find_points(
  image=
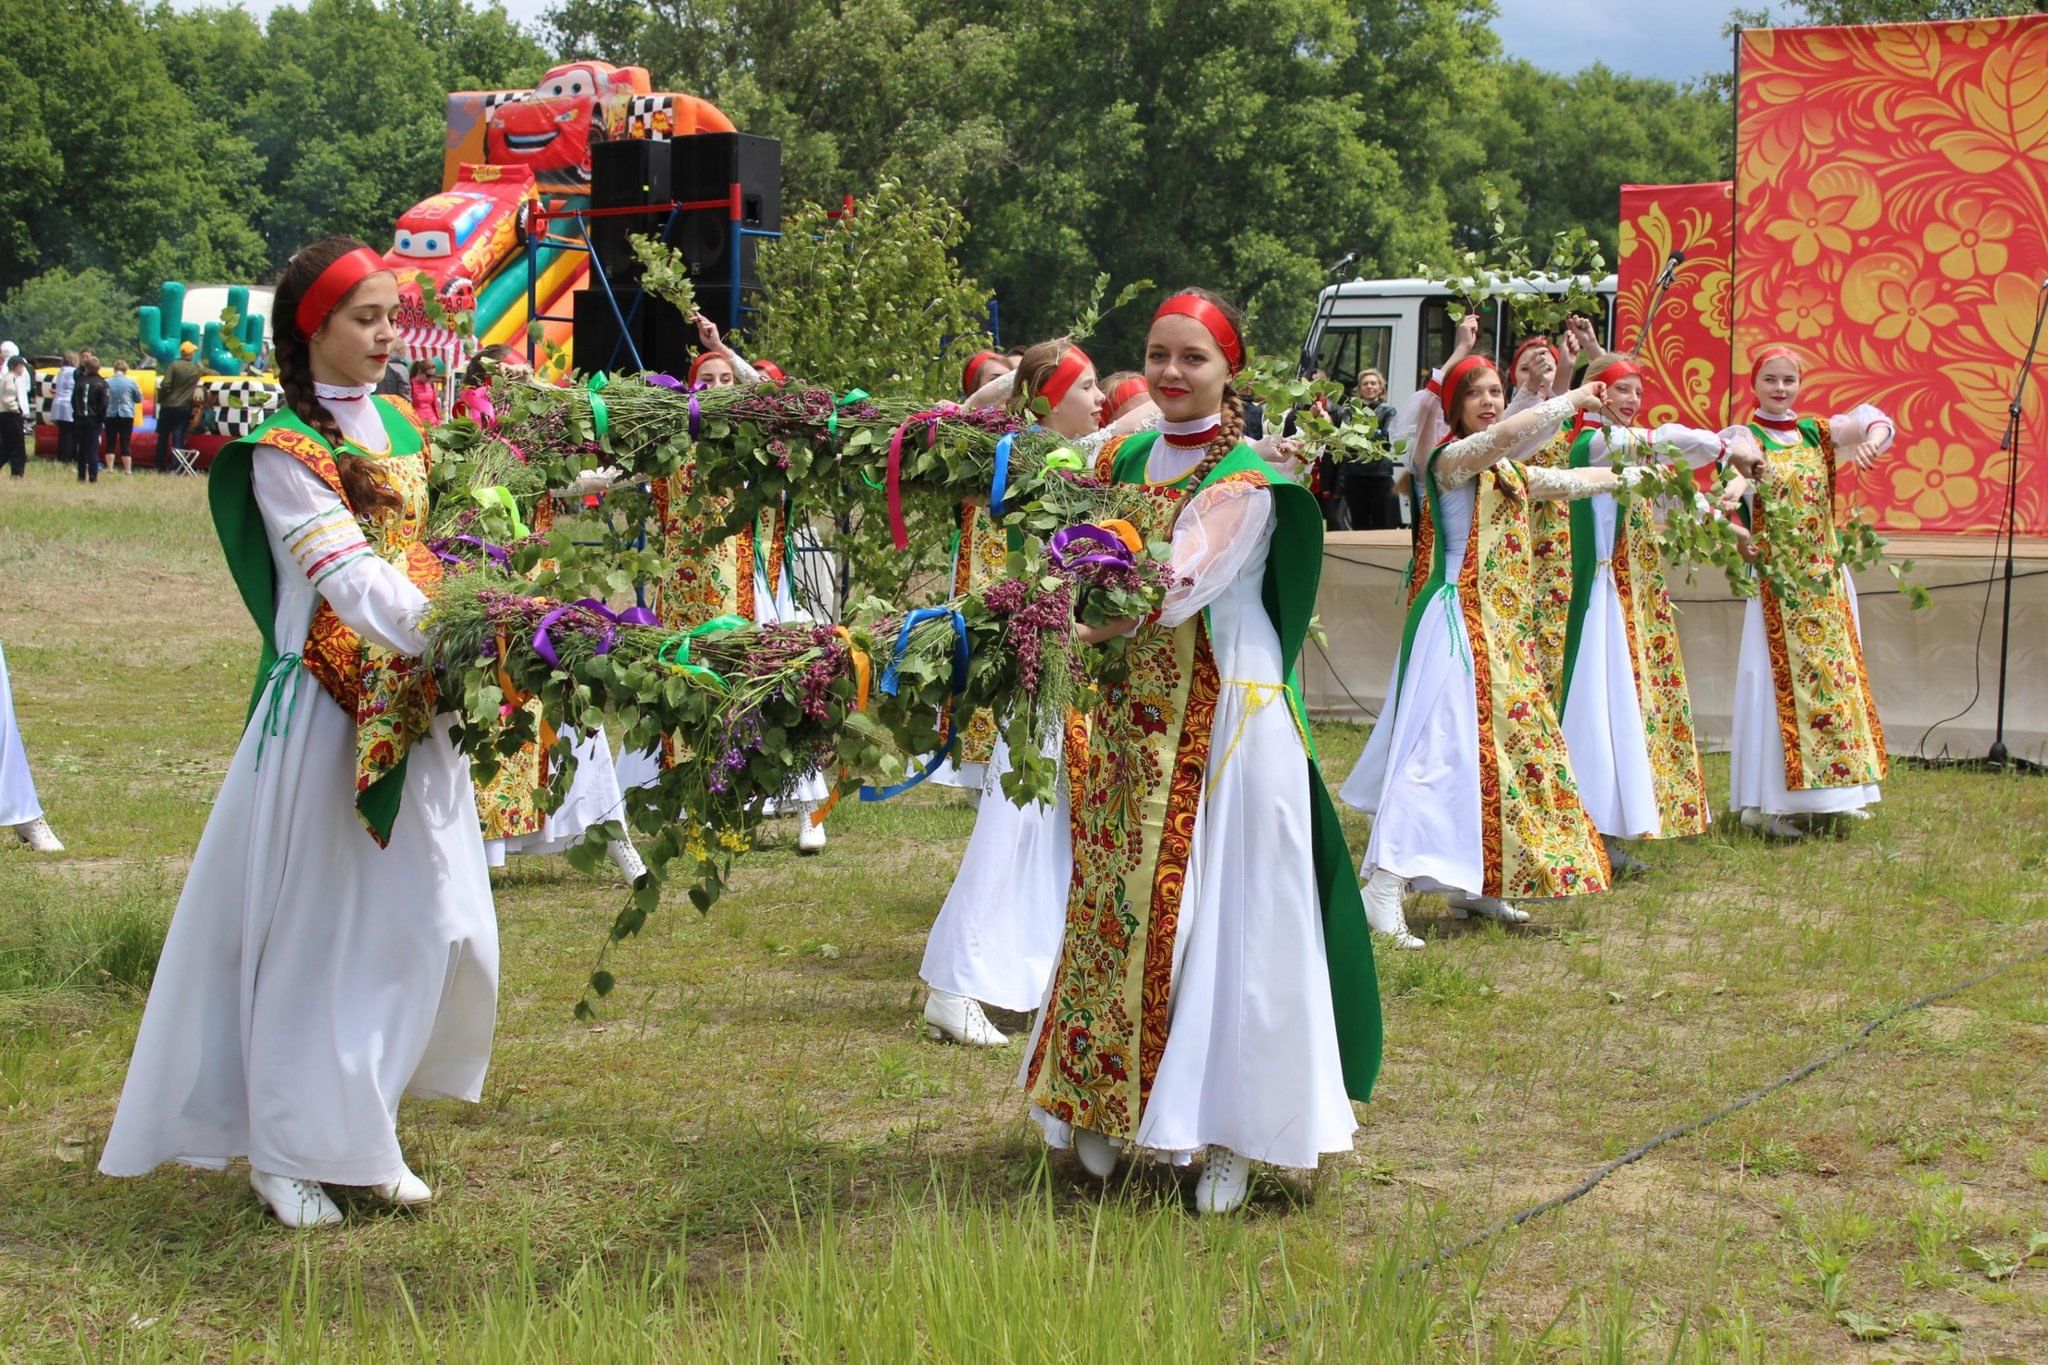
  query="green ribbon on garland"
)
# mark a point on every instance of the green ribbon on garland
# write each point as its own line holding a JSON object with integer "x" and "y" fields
{"x": 501, "y": 497}
{"x": 852, "y": 396}
{"x": 600, "y": 415}
{"x": 1067, "y": 459}
{"x": 675, "y": 651}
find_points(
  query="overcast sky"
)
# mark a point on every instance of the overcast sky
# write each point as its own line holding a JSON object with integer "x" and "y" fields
{"x": 1671, "y": 38}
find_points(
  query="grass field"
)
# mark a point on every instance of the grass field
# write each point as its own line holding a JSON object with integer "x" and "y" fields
{"x": 756, "y": 1155}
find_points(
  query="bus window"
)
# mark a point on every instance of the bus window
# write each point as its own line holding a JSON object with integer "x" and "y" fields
{"x": 1440, "y": 334}
{"x": 1341, "y": 352}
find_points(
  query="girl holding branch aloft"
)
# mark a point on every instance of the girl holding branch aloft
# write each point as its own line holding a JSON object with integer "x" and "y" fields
{"x": 335, "y": 947}
{"x": 998, "y": 934}
{"x": 1623, "y": 700}
{"x": 1215, "y": 992}
{"x": 1807, "y": 740}
{"x": 1466, "y": 773}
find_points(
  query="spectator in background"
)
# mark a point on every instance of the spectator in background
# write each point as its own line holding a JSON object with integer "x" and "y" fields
{"x": 397, "y": 380}
{"x": 124, "y": 397}
{"x": 177, "y": 388}
{"x": 15, "y": 415}
{"x": 88, "y": 416}
{"x": 60, "y": 405}
{"x": 1369, "y": 489}
{"x": 425, "y": 392}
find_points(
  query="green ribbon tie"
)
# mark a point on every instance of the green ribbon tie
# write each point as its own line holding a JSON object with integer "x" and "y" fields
{"x": 277, "y": 716}
{"x": 501, "y": 497}
{"x": 600, "y": 415}
{"x": 1071, "y": 461}
{"x": 675, "y": 651}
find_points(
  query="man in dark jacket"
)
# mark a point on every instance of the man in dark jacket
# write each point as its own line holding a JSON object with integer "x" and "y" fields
{"x": 177, "y": 389}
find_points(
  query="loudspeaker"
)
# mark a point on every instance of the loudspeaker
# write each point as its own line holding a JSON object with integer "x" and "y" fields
{"x": 623, "y": 173}
{"x": 707, "y": 166}
{"x": 664, "y": 338}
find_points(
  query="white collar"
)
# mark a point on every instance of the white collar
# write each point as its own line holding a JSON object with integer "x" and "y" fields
{"x": 1199, "y": 425}
{"x": 342, "y": 393}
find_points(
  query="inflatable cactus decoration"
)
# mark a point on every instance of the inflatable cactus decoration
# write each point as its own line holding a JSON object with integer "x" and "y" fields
{"x": 233, "y": 343}
{"x": 164, "y": 327}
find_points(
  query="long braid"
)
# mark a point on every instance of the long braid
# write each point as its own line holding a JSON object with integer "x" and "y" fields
{"x": 1229, "y": 431}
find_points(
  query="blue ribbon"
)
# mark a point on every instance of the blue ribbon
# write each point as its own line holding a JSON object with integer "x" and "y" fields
{"x": 891, "y": 678}
{"x": 995, "y": 501}
{"x": 277, "y": 719}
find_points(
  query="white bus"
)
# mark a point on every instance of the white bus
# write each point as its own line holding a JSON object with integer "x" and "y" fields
{"x": 1403, "y": 329}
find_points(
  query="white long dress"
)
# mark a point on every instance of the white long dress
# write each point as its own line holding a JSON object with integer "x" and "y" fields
{"x": 1603, "y": 715}
{"x": 997, "y": 937}
{"x": 1251, "y": 1061}
{"x": 1756, "y": 746}
{"x": 18, "y": 803}
{"x": 1419, "y": 775}
{"x": 594, "y": 796}
{"x": 311, "y": 979}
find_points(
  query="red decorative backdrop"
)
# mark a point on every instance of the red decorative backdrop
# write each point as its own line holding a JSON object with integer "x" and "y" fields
{"x": 1685, "y": 357}
{"x": 1892, "y": 225}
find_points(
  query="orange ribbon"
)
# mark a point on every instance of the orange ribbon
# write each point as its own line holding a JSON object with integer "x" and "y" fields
{"x": 863, "y": 677}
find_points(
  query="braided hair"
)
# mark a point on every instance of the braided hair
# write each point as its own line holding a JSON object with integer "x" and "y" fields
{"x": 1231, "y": 430}
{"x": 295, "y": 372}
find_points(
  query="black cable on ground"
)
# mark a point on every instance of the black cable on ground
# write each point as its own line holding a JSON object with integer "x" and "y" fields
{"x": 1637, "y": 1153}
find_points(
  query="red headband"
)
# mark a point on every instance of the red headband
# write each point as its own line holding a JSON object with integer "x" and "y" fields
{"x": 772, "y": 370}
{"x": 1455, "y": 375}
{"x": 697, "y": 365}
{"x": 1768, "y": 354}
{"x": 1064, "y": 375}
{"x": 1212, "y": 319}
{"x": 1622, "y": 368}
{"x": 1124, "y": 393}
{"x": 972, "y": 369}
{"x": 333, "y": 285}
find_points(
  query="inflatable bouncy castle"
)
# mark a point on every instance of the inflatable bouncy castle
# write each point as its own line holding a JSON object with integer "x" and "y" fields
{"x": 507, "y": 153}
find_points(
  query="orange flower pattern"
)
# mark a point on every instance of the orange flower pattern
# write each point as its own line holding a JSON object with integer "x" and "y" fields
{"x": 1891, "y": 220}
{"x": 1685, "y": 358}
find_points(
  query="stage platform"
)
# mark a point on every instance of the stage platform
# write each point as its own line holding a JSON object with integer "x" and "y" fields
{"x": 1925, "y": 665}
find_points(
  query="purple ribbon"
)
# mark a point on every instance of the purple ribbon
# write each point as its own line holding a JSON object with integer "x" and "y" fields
{"x": 498, "y": 554}
{"x": 694, "y": 415}
{"x": 631, "y": 616}
{"x": 666, "y": 381}
{"x": 1080, "y": 547}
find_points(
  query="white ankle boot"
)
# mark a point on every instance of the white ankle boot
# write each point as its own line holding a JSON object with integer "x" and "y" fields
{"x": 1465, "y": 906}
{"x": 1226, "y": 1180}
{"x": 38, "y": 835}
{"x": 296, "y": 1203}
{"x": 810, "y": 837}
{"x": 1771, "y": 826}
{"x": 961, "y": 1019}
{"x": 1097, "y": 1153}
{"x": 405, "y": 1189}
{"x": 626, "y": 858}
{"x": 1383, "y": 909}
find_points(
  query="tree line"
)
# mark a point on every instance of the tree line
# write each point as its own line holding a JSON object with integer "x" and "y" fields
{"x": 1246, "y": 144}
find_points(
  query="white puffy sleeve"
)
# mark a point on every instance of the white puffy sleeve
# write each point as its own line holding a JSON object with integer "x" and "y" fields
{"x": 1548, "y": 484}
{"x": 320, "y": 535}
{"x": 1508, "y": 439}
{"x": 1696, "y": 446}
{"x": 993, "y": 394}
{"x": 1862, "y": 423}
{"x": 1218, "y": 536}
{"x": 1418, "y": 422}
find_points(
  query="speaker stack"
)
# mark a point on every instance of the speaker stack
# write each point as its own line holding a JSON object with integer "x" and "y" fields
{"x": 693, "y": 169}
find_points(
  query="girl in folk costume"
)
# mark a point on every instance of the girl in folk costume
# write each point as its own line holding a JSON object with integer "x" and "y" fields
{"x": 1215, "y": 991}
{"x": 1807, "y": 740}
{"x": 1466, "y": 773}
{"x": 1623, "y": 702}
{"x": 509, "y": 805}
{"x": 335, "y": 947}
{"x": 998, "y": 934}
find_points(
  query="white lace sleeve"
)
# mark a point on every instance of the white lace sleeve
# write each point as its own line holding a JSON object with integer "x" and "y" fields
{"x": 1859, "y": 424}
{"x": 1506, "y": 439}
{"x": 741, "y": 370}
{"x": 993, "y": 394}
{"x": 1547, "y": 484}
{"x": 1219, "y": 535}
{"x": 321, "y": 536}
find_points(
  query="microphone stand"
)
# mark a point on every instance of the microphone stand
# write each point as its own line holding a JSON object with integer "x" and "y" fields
{"x": 1664, "y": 283}
{"x": 1999, "y": 756}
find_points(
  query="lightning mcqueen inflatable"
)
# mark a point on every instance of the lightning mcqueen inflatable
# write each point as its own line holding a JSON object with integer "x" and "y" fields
{"x": 463, "y": 234}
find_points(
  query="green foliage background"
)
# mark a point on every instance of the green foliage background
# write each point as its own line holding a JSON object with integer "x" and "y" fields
{"x": 1242, "y": 144}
